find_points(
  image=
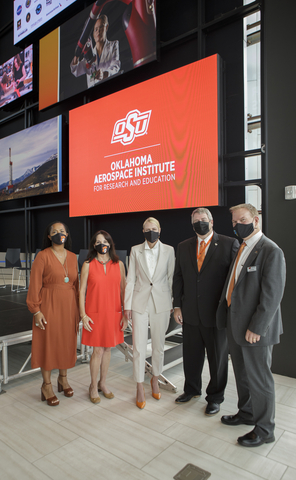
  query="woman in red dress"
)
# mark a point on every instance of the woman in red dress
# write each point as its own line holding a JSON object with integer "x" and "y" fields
{"x": 53, "y": 300}
{"x": 102, "y": 285}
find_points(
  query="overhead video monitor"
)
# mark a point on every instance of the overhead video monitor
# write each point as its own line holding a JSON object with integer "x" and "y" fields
{"x": 29, "y": 15}
{"x": 105, "y": 40}
{"x": 16, "y": 76}
{"x": 152, "y": 146}
{"x": 31, "y": 161}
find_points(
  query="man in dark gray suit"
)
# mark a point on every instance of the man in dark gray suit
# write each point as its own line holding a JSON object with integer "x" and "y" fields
{"x": 250, "y": 309}
{"x": 201, "y": 269}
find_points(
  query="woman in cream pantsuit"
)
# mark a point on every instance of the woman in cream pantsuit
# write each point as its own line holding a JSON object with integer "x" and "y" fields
{"x": 148, "y": 301}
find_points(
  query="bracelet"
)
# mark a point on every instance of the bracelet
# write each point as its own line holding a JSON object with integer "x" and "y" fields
{"x": 83, "y": 317}
{"x": 36, "y": 313}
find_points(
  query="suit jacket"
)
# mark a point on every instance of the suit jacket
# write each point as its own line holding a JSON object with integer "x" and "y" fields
{"x": 140, "y": 285}
{"x": 256, "y": 297}
{"x": 198, "y": 293}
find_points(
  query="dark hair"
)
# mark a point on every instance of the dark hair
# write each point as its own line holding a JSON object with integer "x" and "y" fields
{"x": 92, "y": 253}
{"x": 18, "y": 60}
{"x": 47, "y": 242}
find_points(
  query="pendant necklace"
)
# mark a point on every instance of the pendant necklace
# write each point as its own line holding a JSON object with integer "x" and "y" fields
{"x": 104, "y": 264}
{"x": 66, "y": 279}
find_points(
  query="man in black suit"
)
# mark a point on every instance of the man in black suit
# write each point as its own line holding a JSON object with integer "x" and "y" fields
{"x": 250, "y": 309}
{"x": 202, "y": 265}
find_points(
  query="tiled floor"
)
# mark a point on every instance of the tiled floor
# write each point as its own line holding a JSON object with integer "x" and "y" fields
{"x": 115, "y": 440}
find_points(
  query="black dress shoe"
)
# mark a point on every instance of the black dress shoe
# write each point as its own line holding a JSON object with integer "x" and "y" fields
{"x": 185, "y": 398}
{"x": 212, "y": 408}
{"x": 234, "y": 420}
{"x": 252, "y": 439}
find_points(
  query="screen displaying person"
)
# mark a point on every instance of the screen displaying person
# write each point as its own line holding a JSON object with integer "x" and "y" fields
{"x": 101, "y": 56}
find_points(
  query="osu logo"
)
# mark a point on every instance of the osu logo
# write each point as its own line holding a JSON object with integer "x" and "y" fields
{"x": 135, "y": 124}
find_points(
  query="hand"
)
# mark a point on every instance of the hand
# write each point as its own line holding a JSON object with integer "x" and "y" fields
{"x": 123, "y": 323}
{"x": 86, "y": 323}
{"x": 99, "y": 75}
{"x": 178, "y": 316}
{"x": 252, "y": 337}
{"x": 75, "y": 61}
{"x": 40, "y": 321}
{"x": 128, "y": 314}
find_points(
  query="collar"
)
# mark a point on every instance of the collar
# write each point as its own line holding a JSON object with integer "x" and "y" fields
{"x": 251, "y": 242}
{"x": 154, "y": 249}
{"x": 207, "y": 239}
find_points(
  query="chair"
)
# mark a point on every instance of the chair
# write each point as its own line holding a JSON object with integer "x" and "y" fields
{"x": 13, "y": 261}
{"x": 81, "y": 258}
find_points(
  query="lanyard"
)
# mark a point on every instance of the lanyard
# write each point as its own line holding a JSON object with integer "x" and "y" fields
{"x": 204, "y": 248}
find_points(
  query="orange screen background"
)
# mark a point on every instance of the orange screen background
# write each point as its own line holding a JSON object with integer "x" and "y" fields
{"x": 181, "y": 141}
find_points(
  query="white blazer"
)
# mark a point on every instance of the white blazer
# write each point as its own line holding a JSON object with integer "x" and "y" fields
{"x": 109, "y": 62}
{"x": 140, "y": 285}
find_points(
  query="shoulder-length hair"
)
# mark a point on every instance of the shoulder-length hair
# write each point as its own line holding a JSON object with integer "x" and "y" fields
{"x": 18, "y": 61}
{"x": 47, "y": 242}
{"x": 92, "y": 253}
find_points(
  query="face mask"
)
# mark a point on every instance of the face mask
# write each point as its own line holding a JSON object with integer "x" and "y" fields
{"x": 58, "y": 238}
{"x": 201, "y": 228}
{"x": 243, "y": 230}
{"x": 102, "y": 249}
{"x": 151, "y": 236}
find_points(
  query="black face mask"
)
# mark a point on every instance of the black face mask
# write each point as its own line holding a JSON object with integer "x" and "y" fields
{"x": 151, "y": 236}
{"x": 58, "y": 238}
{"x": 243, "y": 230}
{"x": 201, "y": 228}
{"x": 102, "y": 249}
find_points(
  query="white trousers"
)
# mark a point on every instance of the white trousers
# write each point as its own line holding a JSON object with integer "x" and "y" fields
{"x": 158, "y": 326}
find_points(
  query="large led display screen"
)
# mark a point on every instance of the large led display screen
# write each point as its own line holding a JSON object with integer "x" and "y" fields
{"x": 105, "y": 40}
{"x": 152, "y": 146}
{"x": 31, "y": 161}
{"x": 28, "y": 15}
{"x": 16, "y": 76}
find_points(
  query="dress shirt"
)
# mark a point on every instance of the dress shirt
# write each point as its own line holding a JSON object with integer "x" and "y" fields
{"x": 151, "y": 255}
{"x": 250, "y": 244}
{"x": 205, "y": 240}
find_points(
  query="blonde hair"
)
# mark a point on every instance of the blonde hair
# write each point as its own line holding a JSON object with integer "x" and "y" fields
{"x": 104, "y": 19}
{"x": 248, "y": 206}
{"x": 152, "y": 220}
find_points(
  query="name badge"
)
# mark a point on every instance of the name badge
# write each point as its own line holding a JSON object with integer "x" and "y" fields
{"x": 251, "y": 269}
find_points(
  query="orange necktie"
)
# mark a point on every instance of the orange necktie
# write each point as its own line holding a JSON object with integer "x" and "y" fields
{"x": 201, "y": 256}
{"x": 232, "y": 280}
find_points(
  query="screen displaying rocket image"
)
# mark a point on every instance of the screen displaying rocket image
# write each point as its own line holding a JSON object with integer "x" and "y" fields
{"x": 31, "y": 160}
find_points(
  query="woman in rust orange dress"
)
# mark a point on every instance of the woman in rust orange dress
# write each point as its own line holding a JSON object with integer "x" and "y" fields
{"x": 53, "y": 300}
{"x": 102, "y": 282}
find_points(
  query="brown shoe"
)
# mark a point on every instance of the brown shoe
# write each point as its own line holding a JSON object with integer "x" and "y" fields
{"x": 68, "y": 392}
{"x": 94, "y": 399}
{"x": 107, "y": 395}
{"x": 51, "y": 401}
